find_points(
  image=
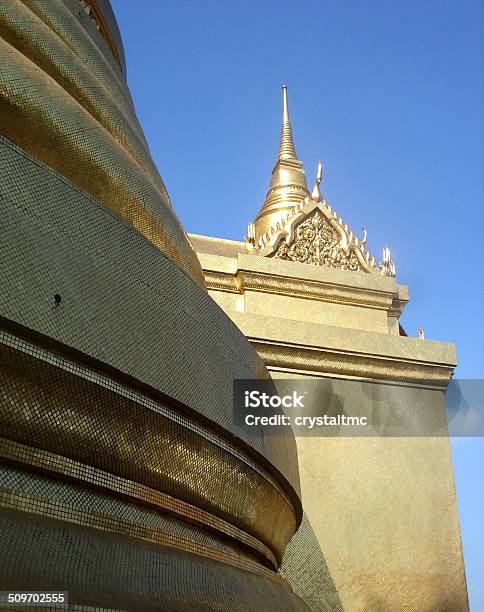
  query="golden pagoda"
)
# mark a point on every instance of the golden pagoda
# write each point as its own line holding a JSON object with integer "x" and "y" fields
{"x": 116, "y": 366}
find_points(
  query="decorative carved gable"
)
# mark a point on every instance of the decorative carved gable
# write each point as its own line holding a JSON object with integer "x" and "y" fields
{"x": 313, "y": 233}
{"x": 317, "y": 242}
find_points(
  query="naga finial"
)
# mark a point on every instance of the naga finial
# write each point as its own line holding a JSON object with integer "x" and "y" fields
{"x": 316, "y": 194}
{"x": 387, "y": 267}
{"x": 249, "y": 240}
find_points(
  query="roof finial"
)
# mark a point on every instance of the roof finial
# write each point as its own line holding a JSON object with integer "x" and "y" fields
{"x": 285, "y": 106}
{"x": 387, "y": 267}
{"x": 286, "y": 147}
{"x": 316, "y": 194}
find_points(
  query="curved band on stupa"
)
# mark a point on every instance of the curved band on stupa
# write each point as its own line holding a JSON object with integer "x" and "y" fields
{"x": 122, "y": 475}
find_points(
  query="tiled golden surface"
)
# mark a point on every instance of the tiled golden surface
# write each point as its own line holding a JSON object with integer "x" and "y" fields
{"x": 389, "y": 528}
{"x": 122, "y": 479}
{"x": 46, "y": 407}
{"x": 68, "y": 470}
{"x": 104, "y": 98}
{"x": 126, "y": 307}
{"x": 109, "y": 571}
{"x": 84, "y": 454}
{"x": 76, "y": 124}
{"x": 104, "y": 521}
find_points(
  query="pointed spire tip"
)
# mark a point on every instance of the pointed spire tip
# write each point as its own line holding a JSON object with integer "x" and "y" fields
{"x": 286, "y": 147}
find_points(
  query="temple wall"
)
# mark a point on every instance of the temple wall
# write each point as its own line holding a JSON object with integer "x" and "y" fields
{"x": 385, "y": 515}
{"x": 380, "y": 512}
{"x": 384, "y": 510}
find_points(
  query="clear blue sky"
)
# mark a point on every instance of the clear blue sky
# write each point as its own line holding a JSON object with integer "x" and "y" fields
{"x": 389, "y": 94}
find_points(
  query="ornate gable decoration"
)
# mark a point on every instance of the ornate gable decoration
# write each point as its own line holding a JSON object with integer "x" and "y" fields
{"x": 313, "y": 233}
{"x": 317, "y": 242}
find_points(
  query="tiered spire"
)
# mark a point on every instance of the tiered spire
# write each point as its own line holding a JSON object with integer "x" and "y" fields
{"x": 288, "y": 186}
{"x": 286, "y": 146}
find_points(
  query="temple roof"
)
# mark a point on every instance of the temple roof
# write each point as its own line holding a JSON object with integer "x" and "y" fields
{"x": 313, "y": 233}
{"x": 298, "y": 226}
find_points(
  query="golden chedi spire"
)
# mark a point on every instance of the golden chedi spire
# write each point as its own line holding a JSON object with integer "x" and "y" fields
{"x": 288, "y": 184}
{"x": 286, "y": 146}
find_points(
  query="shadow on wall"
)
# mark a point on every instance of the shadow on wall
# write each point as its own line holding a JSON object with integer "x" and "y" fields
{"x": 304, "y": 566}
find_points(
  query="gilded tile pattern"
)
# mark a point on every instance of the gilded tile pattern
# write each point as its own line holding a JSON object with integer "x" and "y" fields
{"x": 122, "y": 477}
{"x": 83, "y": 421}
{"x": 67, "y": 105}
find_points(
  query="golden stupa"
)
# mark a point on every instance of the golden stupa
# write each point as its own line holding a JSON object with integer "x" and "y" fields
{"x": 122, "y": 479}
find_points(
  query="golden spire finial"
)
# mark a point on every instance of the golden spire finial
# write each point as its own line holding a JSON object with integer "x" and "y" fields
{"x": 286, "y": 146}
{"x": 285, "y": 105}
{"x": 288, "y": 186}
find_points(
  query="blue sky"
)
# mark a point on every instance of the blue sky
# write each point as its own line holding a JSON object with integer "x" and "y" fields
{"x": 389, "y": 94}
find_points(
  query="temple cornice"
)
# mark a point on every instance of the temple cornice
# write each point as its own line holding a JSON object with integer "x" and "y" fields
{"x": 319, "y": 350}
{"x": 294, "y": 279}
